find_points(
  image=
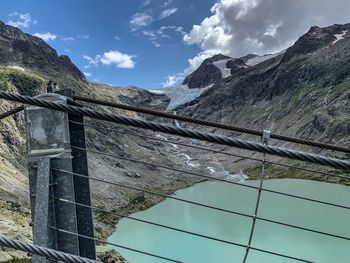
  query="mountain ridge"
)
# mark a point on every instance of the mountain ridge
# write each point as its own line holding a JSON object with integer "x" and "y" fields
{"x": 32, "y": 53}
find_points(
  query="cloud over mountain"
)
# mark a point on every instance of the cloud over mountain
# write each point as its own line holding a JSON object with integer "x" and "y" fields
{"x": 239, "y": 27}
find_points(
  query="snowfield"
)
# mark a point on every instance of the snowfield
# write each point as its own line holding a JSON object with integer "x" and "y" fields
{"x": 221, "y": 64}
{"x": 339, "y": 36}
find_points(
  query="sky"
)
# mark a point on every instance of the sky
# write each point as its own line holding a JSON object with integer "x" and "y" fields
{"x": 156, "y": 43}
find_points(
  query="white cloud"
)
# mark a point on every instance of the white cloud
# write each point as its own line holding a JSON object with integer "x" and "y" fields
{"x": 23, "y": 20}
{"x": 87, "y": 74}
{"x": 145, "y": 2}
{"x": 166, "y": 3}
{"x": 140, "y": 20}
{"x": 91, "y": 61}
{"x": 156, "y": 44}
{"x": 173, "y": 80}
{"x": 112, "y": 57}
{"x": 46, "y": 36}
{"x": 83, "y": 36}
{"x": 167, "y": 12}
{"x": 155, "y": 36}
{"x": 151, "y": 34}
{"x": 117, "y": 38}
{"x": 118, "y": 59}
{"x": 194, "y": 63}
{"x": 68, "y": 39}
{"x": 240, "y": 27}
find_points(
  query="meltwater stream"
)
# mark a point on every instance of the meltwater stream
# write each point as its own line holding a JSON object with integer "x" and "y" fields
{"x": 268, "y": 236}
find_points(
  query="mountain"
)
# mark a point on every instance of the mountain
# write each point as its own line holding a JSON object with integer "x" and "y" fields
{"x": 303, "y": 91}
{"x": 21, "y": 50}
{"x": 215, "y": 69}
{"x": 207, "y": 73}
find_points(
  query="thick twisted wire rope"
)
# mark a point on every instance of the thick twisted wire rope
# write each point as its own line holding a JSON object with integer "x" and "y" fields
{"x": 44, "y": 252}
{"x": 214, "y": 151}
{"x": 11, "y": 112}
{"x": 212, "y": 124}
{"x": 248, "y": 145}
{"x": 116, "y": 245}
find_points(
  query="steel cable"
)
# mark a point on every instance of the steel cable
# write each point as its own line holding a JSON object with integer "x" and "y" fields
{"x": 11, "y": 112}
{"x": 200, "y": 204}
{"x": 163, "y": 167}
{"x": 108, "y": 243}
{"x": 214, "y": 151}
{"x": 176, "y": 229}
{"x": 256, "y": 209}
{"x": 115, "y": 245}
{"x": 212, "y": 124}
{"x": 153, "y": 193}
{"x": 248, "y": 145}
{"x": 202, "y": 235}
{"x": 44, "y": 252}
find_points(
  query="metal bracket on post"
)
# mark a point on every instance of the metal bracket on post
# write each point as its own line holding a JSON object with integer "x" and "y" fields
{"x": 266, "y": 137}
{"x": 48, "y": 145}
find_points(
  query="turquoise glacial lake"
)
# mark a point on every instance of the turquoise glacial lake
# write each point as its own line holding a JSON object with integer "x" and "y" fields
{"x": 268, "y": 236}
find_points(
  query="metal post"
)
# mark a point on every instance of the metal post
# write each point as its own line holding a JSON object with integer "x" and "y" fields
{"x": 48, "y": 144}
{"x": 81, "y": 184}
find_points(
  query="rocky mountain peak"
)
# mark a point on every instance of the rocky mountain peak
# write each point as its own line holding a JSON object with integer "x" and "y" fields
{"x": 218, "y": 57}
{"x": 315, "y": 39}
{"x": 32, "y": 53}
{"x": 209, "y": 72}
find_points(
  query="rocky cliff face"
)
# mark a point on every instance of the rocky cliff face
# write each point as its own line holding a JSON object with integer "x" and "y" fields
{"x": 32, "y": 53}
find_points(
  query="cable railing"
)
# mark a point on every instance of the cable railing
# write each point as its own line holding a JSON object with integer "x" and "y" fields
{"x": 92, "y": 178}
{"x": 138, "y": 123}
{"x": 211, "y": 124}
{"x": 196, "y": 234}
{"x": 254, "y": 216}
{"x": 211, "y": 150}
{"x": 207, "y": 137}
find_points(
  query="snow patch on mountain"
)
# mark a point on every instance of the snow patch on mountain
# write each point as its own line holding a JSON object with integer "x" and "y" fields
{"x": 259, "y": 59}
{"x": 17, "y": 67}
{"x": 221, "y": 64}
{"x": 339, "y": 36}
{"x": 180, "y": 95}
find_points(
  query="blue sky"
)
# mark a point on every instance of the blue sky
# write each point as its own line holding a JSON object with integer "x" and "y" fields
{"x": 155, "y": 43}
{"x": 86, "y": 28}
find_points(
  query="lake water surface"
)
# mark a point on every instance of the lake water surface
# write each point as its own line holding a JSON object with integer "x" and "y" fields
{"x": 268, "y": 236}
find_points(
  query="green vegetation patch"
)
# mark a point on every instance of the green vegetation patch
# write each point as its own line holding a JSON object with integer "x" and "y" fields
{"x": 19, "y": 260}
{"x": 26, "y": 83}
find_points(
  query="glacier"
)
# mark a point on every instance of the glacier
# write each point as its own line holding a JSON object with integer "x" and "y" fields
{"x": 180, "y": 95}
